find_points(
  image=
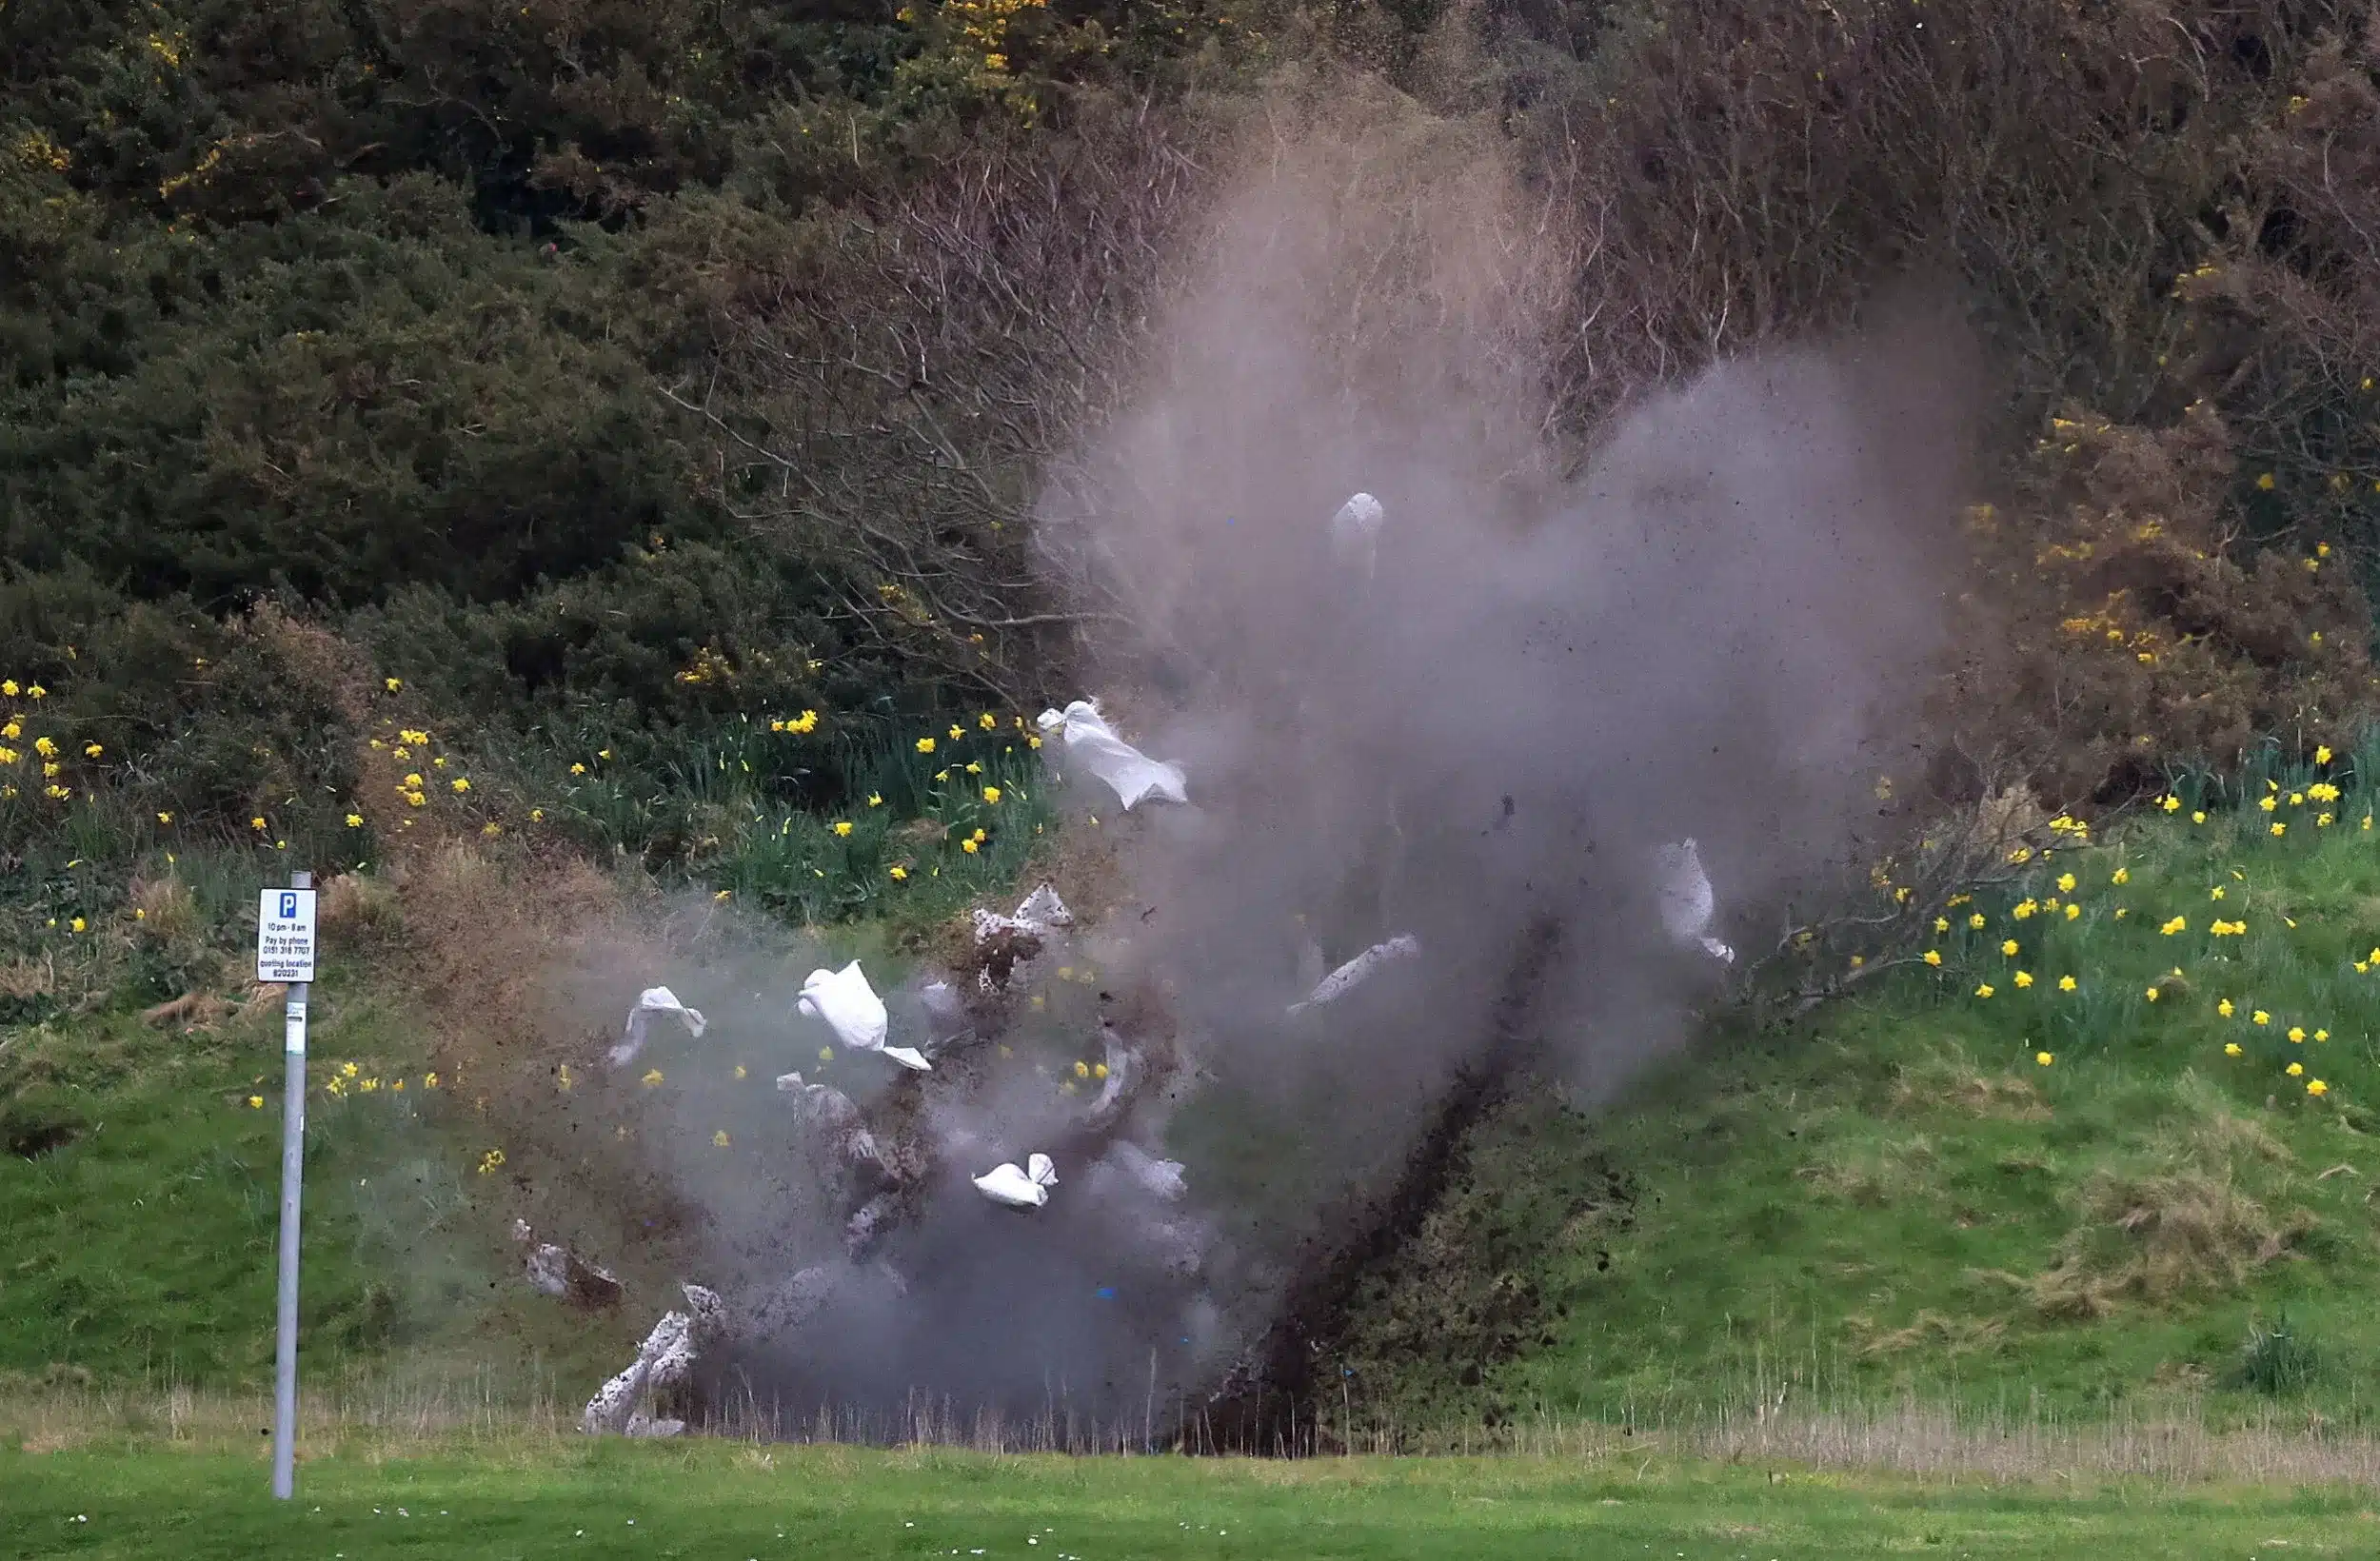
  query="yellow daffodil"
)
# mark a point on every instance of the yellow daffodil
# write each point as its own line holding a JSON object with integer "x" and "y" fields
{"x": 1941, "y": 923}
{"x": 430, "y": 1080}
{"x": 1975, "y": 920}
{"x": 578, "y": 769}
{"x": 969, "y": 847}
{"x": 842, "y": 827}
{"x": 2009, "y": 948}
{"x": 2231, "y": 1048}
{"x": 2279, "y": 829}
{"x": 875, "y": 799}
{"x": 899, "y": 872}
{"x": 957, "y": 732}
{"x": 2317, "y": 1087}
{"x": 2122, "y": 875}
{"x": 37, "y": 691}
{"x": 991, "y": 795}
{"x": 719, "y": 1139}
{"x": 2066, "y": 984}
{"x": 1082, "y": 1070}
{"x": 2024, "y": 978}
{"x": 2043, "y": 1058}
{"x": 76, "y": 925}
{"x": 1984, "y": 991}
{"x": 255, "y": 1102}
{"x": 987, "y": 720}
{"x": 459, "y": 786}
{"x": 2177, "y": 924}
{"x": 2169, "y": 802}
{"x": 2260, "y": 1017}
{"x": 2322, "y": 1035}
{"x": 2066, "y": 883}
{"x": 2295, "y": 1070}
{"x": 652, "y": 1078}
{"x": 2268, "y": 803}
{"x": 2198, "y": 817}
{"x": 2224, "y": 1008}
{"x": 1933, "y": 956}
{"x": 165, "y": 817}
{"x": 2072, "y": 910}
{"x": 723, "y": 894}
{"x": 2298, "y": 1034}
{"x": 925, "y": 744}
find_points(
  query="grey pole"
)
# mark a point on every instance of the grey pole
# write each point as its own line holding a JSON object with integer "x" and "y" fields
{"x": 292, "y": 1174}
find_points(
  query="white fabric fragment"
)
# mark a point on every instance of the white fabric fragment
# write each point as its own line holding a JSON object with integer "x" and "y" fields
{"x": 1687, "y": 901}
{"x": 1026, "y": 1189}
{"x": 664, "y": 1359}
{"x": 1131, "y": 774}
{"x": 1162, "y": 1179}
{"x": 1355, "y": 534}
{"x": 1358, "y": 970}
{"x": 855, "y": 1013}
{"x": 656, "y": 1000}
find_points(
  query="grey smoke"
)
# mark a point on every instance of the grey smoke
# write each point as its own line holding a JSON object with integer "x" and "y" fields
{"x": 1717, "y": 629}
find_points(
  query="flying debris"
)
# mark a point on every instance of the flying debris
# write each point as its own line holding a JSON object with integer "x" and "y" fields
{"x": 1017, "y": 1189}
{"x": 560, "y": 1273}
{"x": 666, "y": 1360}
{"x": 656, "y": 1000}
{"x": 1358, "y": 970}
{"x": 1356, "y": 533}
{"x": 1687, "y": 904}
{"x": 1131, "y": 774}
{"x": 1161, "y": 1178}
{"x": 855, "y": 1013}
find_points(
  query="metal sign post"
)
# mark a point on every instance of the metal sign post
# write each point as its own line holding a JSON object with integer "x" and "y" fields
{"x": 285, "y": 953}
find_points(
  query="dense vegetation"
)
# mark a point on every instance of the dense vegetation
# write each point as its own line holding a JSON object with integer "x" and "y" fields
{"x": 610, "y": 375}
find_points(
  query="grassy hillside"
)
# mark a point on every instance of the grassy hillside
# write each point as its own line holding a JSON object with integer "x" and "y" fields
{"x": 2118, "y": 1142}
{"x": 2072, "y": 1177}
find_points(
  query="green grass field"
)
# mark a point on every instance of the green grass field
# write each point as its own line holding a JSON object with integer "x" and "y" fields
{"x": 726, "y": 1500}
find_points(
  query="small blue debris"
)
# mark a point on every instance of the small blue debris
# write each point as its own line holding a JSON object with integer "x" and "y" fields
{"x": 1106, "y": 1293}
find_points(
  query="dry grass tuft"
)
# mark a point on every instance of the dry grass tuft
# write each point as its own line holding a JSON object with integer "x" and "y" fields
{"x": 1952, "y": 1080}
{"x": 357, "y": 907}
{"x": 167, "y": 909}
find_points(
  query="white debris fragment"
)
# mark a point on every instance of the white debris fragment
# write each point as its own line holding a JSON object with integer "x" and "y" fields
{"x": 559, "y": 1272}
{"x": 939, "y": 998}
{"x": 1131, "y": 774}
{"x": 664, "y": 1359}
{"x": 1042, "y": 908}
{"x": 1356, "y": 533}
{"x": 829, "y": 1109}
{"x": 657, "y": 999}
{"x": 1358, "y": 970}
{"x": 855, "y": 1013}
{"x": 1687, "y": 901}
{"x": 1161, "y": 1178}
{"x": 1028, "y": 1189}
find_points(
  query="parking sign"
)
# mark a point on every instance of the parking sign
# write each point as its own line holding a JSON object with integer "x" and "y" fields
{"x": 285, "y": 936}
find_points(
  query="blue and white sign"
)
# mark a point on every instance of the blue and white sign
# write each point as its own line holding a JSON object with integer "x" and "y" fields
{"x": 285, "y": 936}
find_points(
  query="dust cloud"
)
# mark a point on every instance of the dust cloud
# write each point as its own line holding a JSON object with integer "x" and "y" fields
{"x": 1717, "y": 627}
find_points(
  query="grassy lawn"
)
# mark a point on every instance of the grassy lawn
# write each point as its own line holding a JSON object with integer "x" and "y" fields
{"x": 727, "y": 1500}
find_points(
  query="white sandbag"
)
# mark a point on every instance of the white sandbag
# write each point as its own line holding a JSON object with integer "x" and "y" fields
{"x": 1358, "y": 970}
{"x": 1161, "y": 1178}
{"x": 664, "y": 1359}
{"x": 558, "y": 1272}
{"x": 1355, "y": 534}
{"x": 1028, "y": 1189}
{"x": 855, "y": 1013}
{"x": 657, "y": 999}
{"x": 1042, "y": 908}
{"x": 1687, "y": 901}
{"x": 1131, "y": 774}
